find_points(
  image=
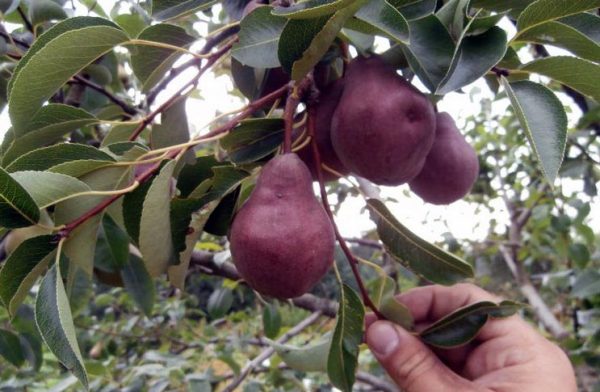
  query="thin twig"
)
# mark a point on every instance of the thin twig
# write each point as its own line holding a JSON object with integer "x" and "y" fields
{"x": 351, "y": 260}
{"x": 25, "y": 20}
{"x": 112, "y": 97}
{"x": 250, "y": 366}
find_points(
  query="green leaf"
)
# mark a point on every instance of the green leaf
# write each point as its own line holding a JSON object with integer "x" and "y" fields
{"x": 55, "y": 323}
{"x": 41, "y": 11}
{"x": 47, "y": 157}
{"x": 133, "y": 24}
{"x": 421, "y": 257}
{"x": 253, "y": 139}
{"x": 48, "y": 188}
{"x": 171, "y": 9}
{"x": 475, "y": 56}
{"x": 453, "y": 15}
{"x": 79, "y": 168}
{"x": 303, "y": 42}
{"x": 430, "y": 51}
{"x": 196, "y": 222}
{"x": 463, "y": 325}
{"x": 482, "y": 24}
{"x": 586, "y": 23}
{"x": 139, "y": 284}
{"x": 259, "y": 38}
{"x": 382, "y": 15}
{"x": 81, "y": 244}
{"x": 542, "y": 11}
{"x": 515, "y": 6}
{"x": 579, "y": 74}
{"x": 579, "y": 254}
{"x": 133, "y": 203}
{"x": 173, "y": 129}
{"x": 10, "y": 347}
{"x": 151, "y": 63}
{"x": 117, "y": 242}
{"x": 383, "y": 290}
{"x": 342, "y": 360}
{"x": 543, "y": 118}
{"x": 54, "y": 58}
{"x": 23, "y": 267}
{"x": 415, "y": 9}
{"x": 220, "y": 302}
{"x": 193, "y": 175}
{"x": 563, "y": 36}
{"x": 271, "y": 319}
{"x": 587, "y": 284}
{"x": 17, "y": 207}
{"x": 48, "y": 125}
{"x": 311, "y": 358}
{"x": 155, "y": 243}
{"x": 9, "y": 6}
{"x": 311, "y": 8}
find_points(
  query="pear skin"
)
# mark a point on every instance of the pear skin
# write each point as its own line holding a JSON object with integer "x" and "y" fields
{"x": 451, "y": 168}
{"x": 282, "y": 240}
{"x": 325, "y": 107}
{"x": 383, "y": 127}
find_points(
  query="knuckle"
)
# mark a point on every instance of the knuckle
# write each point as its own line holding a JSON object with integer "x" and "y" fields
{"x": 415, "y": 366}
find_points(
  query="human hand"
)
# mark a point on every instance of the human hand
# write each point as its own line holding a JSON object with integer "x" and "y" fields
{"x": 507, "y": 356}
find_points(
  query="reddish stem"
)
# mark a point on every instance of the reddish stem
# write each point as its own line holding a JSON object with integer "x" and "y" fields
{"x": 251, "y": 108}
{"x": 288, "y": 118}
{"x": 349, "y": 256}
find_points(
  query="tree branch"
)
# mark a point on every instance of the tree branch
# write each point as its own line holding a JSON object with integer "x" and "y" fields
{"x": 267, "y": 353}
{"x": 112, "y": 97}
{"x": 205, "y": 260}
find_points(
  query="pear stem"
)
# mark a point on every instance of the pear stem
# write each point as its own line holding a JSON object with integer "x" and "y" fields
{"x": 347, "y": 252}
{"x": 288, "y": 117}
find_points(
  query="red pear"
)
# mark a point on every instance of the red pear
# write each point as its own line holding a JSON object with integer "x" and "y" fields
{"x": 282, "y": 240}
{"x": 451, "y": 168}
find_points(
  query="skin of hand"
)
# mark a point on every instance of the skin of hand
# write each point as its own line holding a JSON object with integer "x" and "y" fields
{"x": 508, "y": 355}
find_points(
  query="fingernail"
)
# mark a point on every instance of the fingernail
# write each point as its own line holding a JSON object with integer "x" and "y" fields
{"x": 382, "y": 338}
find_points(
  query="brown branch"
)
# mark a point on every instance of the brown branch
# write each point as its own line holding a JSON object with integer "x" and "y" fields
{"x": 112, "y": 97}
{"x": 267, "y": 353}
{"x": 169, "y": 102}
{"x": 208, "y": 46}
{"x": 205, "y": 260}
{"x": 25, "y": 20}
{"x": 511, "y": 258}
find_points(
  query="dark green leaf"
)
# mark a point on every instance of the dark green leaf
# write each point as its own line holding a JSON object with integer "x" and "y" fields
{"x": 47, "y": 188}
{"x": 542, "y": 11}
{"x": 311, "y": 8}
{"x": 463, "y": 325}
{"x": 383, "y": 16}
{"x": 582, "y": 75}
{"x": 170, "y": 9}
{"x": 430, "y": 51}
{"x": 259, "y": 38}
{"x": 587, "y": 284}
{"x": 347, "y": 337}
{"x": 155, "y": 243}
{"x": 47, "y": 157}
{"x": 151, "y": 63}
{"x": 543, "y": 118}
{"x": 253, "y": 139}
{"x": 139, "y": 284}
{"x": 17, "y": 207}
{"x": 303, "y": 42}
{"x": 173, "y": 129}
{"x": 117, "y": 241}
{"x": 423, "y": 258}
{"x": 414, "y": 9}
{"x": 41, "y": 11}
{"x": 10, "y": 347}
{"x": 132, "y": 209}
{"x": 475, "y": 56}
{"x": 55, "y": 323}
{"x": 47, "y": 126}
{"x": 220, "y": 219}
{"x": 271, "y": 319}
{"x": 133, "y": 24}
{"x": 220, "y": 302}
{"x": 53, "y": 59}
{"x": 193, "y": 175}
{"x": 563, "y": 36}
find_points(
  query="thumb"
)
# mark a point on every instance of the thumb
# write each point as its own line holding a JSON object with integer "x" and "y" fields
{"x": 410, "y": 363}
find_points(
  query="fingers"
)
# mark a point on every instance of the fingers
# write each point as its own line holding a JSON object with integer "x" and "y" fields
{"x": 430, "y": 303}
{"x": 410, "y": 363}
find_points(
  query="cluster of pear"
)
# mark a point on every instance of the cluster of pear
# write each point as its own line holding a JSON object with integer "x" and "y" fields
{"x": 372, "y": 123}
{"x": 375, "y": 124}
